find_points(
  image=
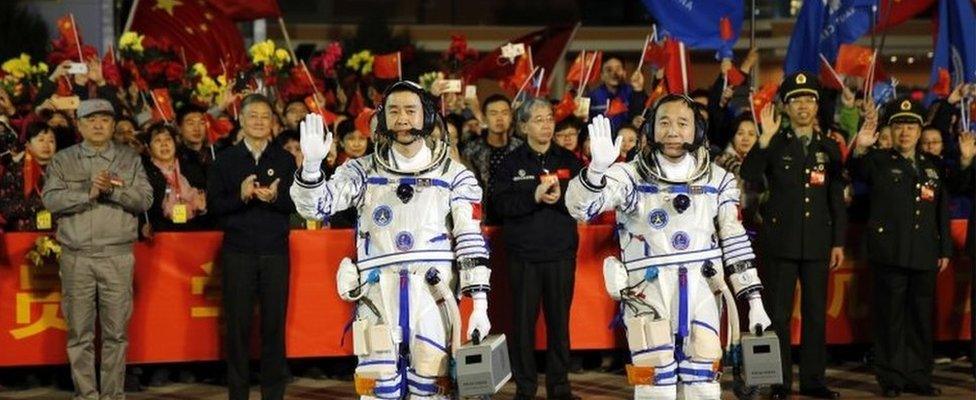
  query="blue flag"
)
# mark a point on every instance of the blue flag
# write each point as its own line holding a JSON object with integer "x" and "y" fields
{"x": 955, "y": 44}
{"x": 821, "y": 27}
{"x": 699, "y": 24}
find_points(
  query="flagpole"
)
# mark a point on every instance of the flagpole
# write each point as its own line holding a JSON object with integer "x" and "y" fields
{"x": 74, "y": 27}
{"x": 752, "y": 24}
{"x": 586, "y": 76}
{"x": 522, "y": 87}
{"x": 640, "y": 63}
{"x": 542, "y": 74}
{"x": 399, "y": 68}
{"x": 132, "y": 13}
{"x": 874, "y": 19}
{"x": 284, "y": 32}
{"x": 684, "y": 72}
{"x": 831, "y": 69}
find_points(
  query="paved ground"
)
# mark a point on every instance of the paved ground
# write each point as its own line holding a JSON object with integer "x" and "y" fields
{"x": 852, "y": 379}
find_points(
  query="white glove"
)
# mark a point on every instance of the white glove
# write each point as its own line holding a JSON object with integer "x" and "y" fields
{"x": 316, "y": 142}
{"x": 757, "y": 314}
{"x": 603, "y": 150}
{"x": 479, "y": 317}
{"x": 347, "y": 280}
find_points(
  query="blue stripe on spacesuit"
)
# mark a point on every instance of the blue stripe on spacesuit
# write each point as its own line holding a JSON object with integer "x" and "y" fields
{"x": 674, "y": 189}
{"x": 431, "y": 342}
{"x": 404, "y": 316}
{"x": 682, "y": 303}
{"x": 652, "y": 349}
{"x": 379, "y": 180}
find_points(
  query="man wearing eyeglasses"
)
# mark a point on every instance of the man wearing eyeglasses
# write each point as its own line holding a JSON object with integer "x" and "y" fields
{"x": 803, "y": 224}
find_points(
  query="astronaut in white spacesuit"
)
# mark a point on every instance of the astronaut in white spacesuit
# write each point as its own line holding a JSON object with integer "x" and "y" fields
{"x": 679, "y": 230}
{"x": 418, "y": 216}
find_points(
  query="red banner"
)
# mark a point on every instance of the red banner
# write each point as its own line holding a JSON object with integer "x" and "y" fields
{"x": 177, "y": 298}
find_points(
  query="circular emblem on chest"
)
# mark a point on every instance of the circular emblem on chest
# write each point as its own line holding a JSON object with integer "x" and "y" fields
{"x": 270, "y": 172}
{"x": 382, "y": 215}
{"x": 658, "y": 218}
{"x": 404, "y": 241}
{"x": 680, "y": 240}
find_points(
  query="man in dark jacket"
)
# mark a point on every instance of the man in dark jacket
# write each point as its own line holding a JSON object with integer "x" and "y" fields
{"x": 541, "y": 241}
{"x": 908, "y": 243}
{"x": 247, "y": 192}
{"x": 803, "y": 225}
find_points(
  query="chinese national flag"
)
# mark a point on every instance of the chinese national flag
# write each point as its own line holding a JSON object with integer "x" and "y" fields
{"x": 163, "y": 105}
{"x": 677, "y": 74}
{"x": 68, "y": 30}
{"x": 547, "y": 47}
{"x": 725, "y": 30}
{"x": 892, "y": 13}
{"x": 217, "y": 128}
{"x": 387, "y": 66}
{"x": 357, "y": 103}
{"x": 328, "y": 116}
{"x": 197, "y": 28}
{"x": 565, "y": 108}
{"x": 616, "y": 107}
{"x": 735, "y": 77}
{"x": 522, "y": 72}
{"x": 853, "y": 60}
{"x": 248, "y": 10}
{"x": 655, "y": 55}
{"x": 658, "y": 92}
{"x": 764, "y": 96}
{"x": 362, "y": 121}
{"x": 575, "y": 74}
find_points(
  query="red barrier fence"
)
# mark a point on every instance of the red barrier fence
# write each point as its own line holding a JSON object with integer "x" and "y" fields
{"x": 176, "y": 313}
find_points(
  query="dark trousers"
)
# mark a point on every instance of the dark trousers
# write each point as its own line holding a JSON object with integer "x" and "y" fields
{"x": 552, "y": 282}
{"x": 903, "y": 302}
{"x": 780, "y": 276}
{"x": 246, "y": 278}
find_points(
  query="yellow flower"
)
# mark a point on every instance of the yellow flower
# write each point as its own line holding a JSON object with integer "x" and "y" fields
{"x": 199, "y": 70}
{"x": 131, "y": 41}
{"x": 18, "y": 67}
{"x": 281, "y": 57}
{"x": 361, "y": 61}
{"x": 40, "y": 68}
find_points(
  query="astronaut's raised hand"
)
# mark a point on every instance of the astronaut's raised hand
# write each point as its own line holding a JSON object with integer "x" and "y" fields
{"x": 479, "y": 315}
{"x": 757, "y": 314}
{"x": 603, "y": 150}
{"x": 316, "y": 141}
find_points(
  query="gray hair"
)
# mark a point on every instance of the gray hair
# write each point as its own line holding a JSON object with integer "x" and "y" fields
{"x": 524, "y": 111}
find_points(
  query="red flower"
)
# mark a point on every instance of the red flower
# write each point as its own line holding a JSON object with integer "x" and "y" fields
{"x": 326, "y": 61}
{"x": 174, "y": 71}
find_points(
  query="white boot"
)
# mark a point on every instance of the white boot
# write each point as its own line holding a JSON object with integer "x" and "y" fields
{"x": 700, "y": 391}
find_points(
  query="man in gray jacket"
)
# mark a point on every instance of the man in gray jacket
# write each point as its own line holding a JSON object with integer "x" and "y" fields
{"x": 96, "y": 190}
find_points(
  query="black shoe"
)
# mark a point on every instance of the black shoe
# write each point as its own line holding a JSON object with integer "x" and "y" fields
{"x": 890, "y": 391}
{"x": 820, "y": 393}
{"x": 779, "y": 392}
{"x": 926, "y": 391}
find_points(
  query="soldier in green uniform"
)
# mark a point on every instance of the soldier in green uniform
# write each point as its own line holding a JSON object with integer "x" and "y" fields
{"x": 803, "y": 225}
{"x": 908, "y": 243}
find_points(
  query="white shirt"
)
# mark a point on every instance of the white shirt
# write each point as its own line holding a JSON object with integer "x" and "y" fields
{"x": 677, "y": 170}
{"x": 412, "y": 164}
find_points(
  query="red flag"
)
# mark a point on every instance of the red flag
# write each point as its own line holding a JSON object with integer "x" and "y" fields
{"x": 523, "y": 69}
{"x": 197, "y": 27}
{"x": 328, "y": 116}
{"x": 677, "y": 71}
{"x": 387, "y": 66}
{"x": 943, "y": 86}
{"x": 68, "y": 30}
{"x": 828, "y": 78}
{"x": 163, "y": 105}
{"x": 248, "y": 10}
{"x": 362, "y": 121}
{"x": 658, "y": 92}
{"x": 760, "y": 99}
{"x": 655, "y": 54}
{"x": 217, "y": 128}
{"x": 892, "y": 13}
{"x": 110, "y": 69}
{"x": 357, "y": 103}
{"x": 547, "y": 45}
{"x": 735, "y": 77}
{"x": 565, "y": 108}
{"x": 616, "y": 107}
{"x": 853, "y": 60}
{"x": 725, "y": 30}
{"x": 576, "y": 74}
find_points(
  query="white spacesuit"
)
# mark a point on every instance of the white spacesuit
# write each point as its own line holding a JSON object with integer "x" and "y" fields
{"x": 417, "y": 217}
{"x": 678, "y": 225}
